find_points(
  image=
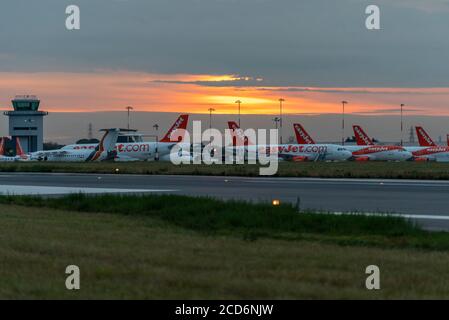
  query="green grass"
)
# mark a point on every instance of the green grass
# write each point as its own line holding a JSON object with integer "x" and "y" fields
{"x": 139, "y": 256}
{"x": 250, "y": 221}
{"x": 388, "y": 170}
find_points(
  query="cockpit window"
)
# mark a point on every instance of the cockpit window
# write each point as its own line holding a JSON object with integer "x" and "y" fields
{"x": 129, "y": 139}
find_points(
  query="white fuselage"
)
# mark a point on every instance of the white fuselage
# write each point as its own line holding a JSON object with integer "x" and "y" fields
{"x": 67, "y": 156}
{"x": 313, "y": 152}
{"x": 140, "y": 151}
{"x": 380, "y": 153}
{"x": 310, "y": 152}
{"x": 434, "y": 153}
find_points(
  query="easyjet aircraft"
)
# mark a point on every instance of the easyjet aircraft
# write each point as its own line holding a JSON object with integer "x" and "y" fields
{"x": 291, "y": 152}
{"x": 138, "y": 150}
{"x": 20, "y": 155}
{"x": 311, "y": 152}
{"x": 105, "y": 150}
{"x": 366, "y": 150}
{"x": 428, "y": 150}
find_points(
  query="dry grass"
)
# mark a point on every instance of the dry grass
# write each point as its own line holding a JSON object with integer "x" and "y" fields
{"x": 140, "y": 257}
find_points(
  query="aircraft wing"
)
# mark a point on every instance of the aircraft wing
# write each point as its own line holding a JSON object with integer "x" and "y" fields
{"x": 122, "y": 158}
{"x": 56, "y": 152}
{"x": 49, "y": 153}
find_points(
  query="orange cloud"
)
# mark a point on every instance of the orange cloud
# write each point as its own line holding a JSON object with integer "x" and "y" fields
{"x": 113, "y": 91}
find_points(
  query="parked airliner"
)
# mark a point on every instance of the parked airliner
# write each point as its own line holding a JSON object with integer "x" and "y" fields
{"x": 139, "y": 150}
{"x": 291, "y": 152}
{"x": 366, "y": 150}
{"x": 105, "y": 150}
{"x": 428, "y": 149}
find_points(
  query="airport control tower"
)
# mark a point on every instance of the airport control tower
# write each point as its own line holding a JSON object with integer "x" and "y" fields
{"x": 27, "y": 123}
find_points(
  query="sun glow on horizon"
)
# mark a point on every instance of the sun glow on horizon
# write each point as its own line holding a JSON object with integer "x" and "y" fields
{"x": 112, "y": 91}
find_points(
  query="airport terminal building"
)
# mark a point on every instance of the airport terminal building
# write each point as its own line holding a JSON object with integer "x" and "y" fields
{"x": 26, "y": 122}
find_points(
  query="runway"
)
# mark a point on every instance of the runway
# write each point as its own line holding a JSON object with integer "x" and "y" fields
{"x": 427, "y": 202}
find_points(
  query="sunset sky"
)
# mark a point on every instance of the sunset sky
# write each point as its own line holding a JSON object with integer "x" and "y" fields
{"x": 190, "y": 55}
{"x": 112, "y": 91}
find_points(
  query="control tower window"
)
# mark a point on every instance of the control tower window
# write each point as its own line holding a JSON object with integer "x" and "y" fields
{"x": 25, "y": 104}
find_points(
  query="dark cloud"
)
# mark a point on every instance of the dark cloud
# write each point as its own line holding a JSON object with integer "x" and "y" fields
{"x": 357, "y": 91}
{"x": 236, "y": 82}
{"x": 317, "y": 43}
{"x": 388, "y": 111}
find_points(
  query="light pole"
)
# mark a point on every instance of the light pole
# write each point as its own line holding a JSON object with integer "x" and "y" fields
{"x": 239, "y": 102}
{"x": 210, "y": 117}
{"x": 156, "y": 151}
{"x": 343, "y": 103}
{"x": 129, "y": 109}
{"x": 402, "y": 124}
{"x": 156, "y": 127}
{"x": 280, "y": 116}
{"x": 276, "y": 121}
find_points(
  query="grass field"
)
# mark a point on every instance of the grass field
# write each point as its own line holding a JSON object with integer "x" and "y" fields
{"x": 134, "y": 248}
{"x": 388, "y": 170}
{"x": 250, "y": 221}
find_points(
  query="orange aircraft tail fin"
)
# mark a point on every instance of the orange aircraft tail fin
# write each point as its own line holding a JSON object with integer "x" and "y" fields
{"x": 302, "y": 137}
{"x": 180, "y": 124}
{"x": 361, "y": 137}
{"x": 423, "y": 138}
